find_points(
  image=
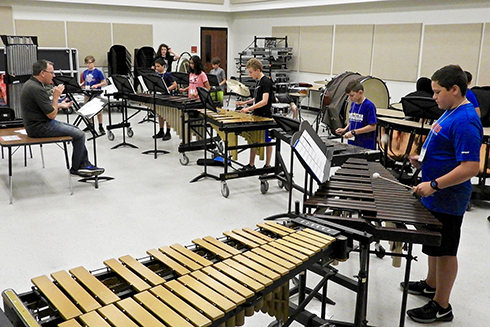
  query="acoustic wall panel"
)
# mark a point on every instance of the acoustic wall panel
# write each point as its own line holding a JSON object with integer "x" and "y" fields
{"x": 292, "y": 32}
{"x": 451, "y": 44}
{"x": 90, "y": 39}
{"x": 49, "y": 33}
{"x": 484, "y": 71}
{"x": 6, "y": 17}
{"x": 396, "y": 51}
{"x": 133, "y": 36}
{"x": 316, "y": 49}
{"x": 353, "y": 46}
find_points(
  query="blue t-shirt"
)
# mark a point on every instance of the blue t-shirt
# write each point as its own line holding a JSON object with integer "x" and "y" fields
{"x": 471, "y": 96}
{"x": 361, "y": 115}
{"x": 456, "y": 136}
{"x": 168, "y": 79}
{"x": 92, "y": 77}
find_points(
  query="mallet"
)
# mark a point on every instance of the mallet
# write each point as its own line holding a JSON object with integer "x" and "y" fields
{"x": 377, "y": 175}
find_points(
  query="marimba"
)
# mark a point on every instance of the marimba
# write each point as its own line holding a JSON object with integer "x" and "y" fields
{"x": 212, "y": 283}
{"x": 231, "y": 124}
{"x": 354, "y": 198}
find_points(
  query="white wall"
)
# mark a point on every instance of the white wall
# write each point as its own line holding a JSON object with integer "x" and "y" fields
{"x": 181, "y": 29}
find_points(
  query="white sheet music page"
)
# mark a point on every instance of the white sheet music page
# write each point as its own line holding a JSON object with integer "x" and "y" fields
{"x": 92, "y": 107}
{"x": 311, "y": 154}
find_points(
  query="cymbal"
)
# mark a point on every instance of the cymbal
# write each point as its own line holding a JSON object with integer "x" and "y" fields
{"x": 238, "y": 88}
{"x": 321, "y": 82}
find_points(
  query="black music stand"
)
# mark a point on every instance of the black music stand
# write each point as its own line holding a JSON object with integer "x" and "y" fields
{"x": 181, "y": 78}
{"x": 208, "y": 104}
{"x": 421, "y": 107}
{"x": 138, "y": 72}
{"x": 156, "y": 84}
{"x": 123, "y": 85}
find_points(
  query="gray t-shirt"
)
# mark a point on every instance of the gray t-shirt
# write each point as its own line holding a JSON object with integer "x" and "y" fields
{"x": 35, "y": 104}
{"x": 221, "y": 76}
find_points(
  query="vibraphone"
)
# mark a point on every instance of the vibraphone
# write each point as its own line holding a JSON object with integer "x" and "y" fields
{"x": 354, "y": 198}
{"x": 212, "y": 283}
{"x": 229, "y": 125}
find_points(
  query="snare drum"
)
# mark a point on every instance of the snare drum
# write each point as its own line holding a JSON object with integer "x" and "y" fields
{"x": 280, "y": 108}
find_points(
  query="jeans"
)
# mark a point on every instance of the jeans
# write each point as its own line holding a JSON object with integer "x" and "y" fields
{"x": 79, "y": 157}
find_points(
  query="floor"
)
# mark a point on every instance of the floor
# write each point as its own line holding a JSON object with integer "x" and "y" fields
{"x": 150, "y": 203}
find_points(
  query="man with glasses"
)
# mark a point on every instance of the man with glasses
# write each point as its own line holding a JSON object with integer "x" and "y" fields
{"x": 39, "y": 113}
{"x": 361, "y": 129}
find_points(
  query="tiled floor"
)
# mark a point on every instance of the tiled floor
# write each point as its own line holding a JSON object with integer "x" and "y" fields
{"x": 151, "y": 203}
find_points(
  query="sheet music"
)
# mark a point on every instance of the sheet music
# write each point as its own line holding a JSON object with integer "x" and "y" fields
{"x": 312, "y": 155}
{"x": 109, "y": 88}
{"x": 92, "y": 108}
{"x": 143, "y": 85}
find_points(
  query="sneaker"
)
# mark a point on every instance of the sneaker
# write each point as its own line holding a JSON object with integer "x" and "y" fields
{"x": 90, "y": 171}
{"x": 420, "y": 288}
{"x": 431, "y": 312}
{"x": 266, "y": 166}
{"x": 159, "y": 135}
{"x": 247, "y": 167}
{"x": 101, "y": 130}
{"x": 166, "y": 137}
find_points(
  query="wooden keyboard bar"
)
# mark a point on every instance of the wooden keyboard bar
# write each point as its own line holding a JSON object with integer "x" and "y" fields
{"x": 258, "y": 234}
{"x": 161, "y": 310}
{"x": 241, "y": 239}
{"x": 95, "y": 286}
{"x": 249, "y": 272}
{"x": 115, "y": 316}
{"x": 93, "y": 319}
{"x": 323, "y": 241}
{"x": 70, "y": 323}
{"x": 295, "y": 246}
{"x": 137, "y": 283}
{"x": 183, "y": 260}
{"x": 250, "y": 236}
{"x": 192, "y": 255}
{"x": 306, "y": 248}
{"x": 176, "y": 303}
{"x": 218, "y": 287}
{"x": 177, "y": 267}
{"x": 221, "y": 245}
{"x": 65, "y": 307}
{"x": 212, "y": 248}
{"x": 239, "y": 276}
{"x": 308, "y": 240}
{"x": 266, "y": 263}
{"x": 198, "y": 302}
{"x": 81, "y": 297}
{"x": 257, "y": 267}
{"x": 209, "y": 294}
{"x": 275, "y": 257}
{"x": 228, "y": 281}
{"x": 288, "y": 250}
{"x": 273, "y": 229}
{"x": 138, "y": 313}
{"x": 145, "y": 272}
{"x": 330, "y": 239}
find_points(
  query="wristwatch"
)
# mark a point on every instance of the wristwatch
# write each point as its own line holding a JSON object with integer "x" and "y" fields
{"x": 434, "y": 185}
{"x": 353, "y": 132}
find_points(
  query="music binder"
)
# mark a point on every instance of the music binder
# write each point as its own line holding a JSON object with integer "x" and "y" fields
{"x": 312, "y": 152}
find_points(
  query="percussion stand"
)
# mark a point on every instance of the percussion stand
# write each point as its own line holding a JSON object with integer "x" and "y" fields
{"x": 208, "y": 104}
{"x": 156, "y": 83}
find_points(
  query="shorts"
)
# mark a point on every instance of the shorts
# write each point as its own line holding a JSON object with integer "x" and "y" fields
{"x": 451, "y": 235}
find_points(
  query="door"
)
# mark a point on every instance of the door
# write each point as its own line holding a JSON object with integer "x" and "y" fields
{"x": 214, "y": 43}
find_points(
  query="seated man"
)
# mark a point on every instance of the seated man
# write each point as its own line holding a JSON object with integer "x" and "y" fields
{"x": 39, "y": 113}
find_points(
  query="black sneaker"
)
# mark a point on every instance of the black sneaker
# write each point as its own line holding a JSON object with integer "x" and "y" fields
{"x": 420, "y": 288}
{"x": 431, "y": 312}
{"x": 101, "y": 130}
{"x": 159, "y": 135}
{"x": 266, "y": 166}
{"x": 247, "y": 167}
{"x": 167, "y": 136}
{"x": 90, "y": 171}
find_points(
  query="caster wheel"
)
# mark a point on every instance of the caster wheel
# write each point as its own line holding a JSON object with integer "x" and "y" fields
{"x": 264, "y": 187}
{"x": 379, "y": 250}
{"x": 488, "y": 218}
{"x": 225, "y": 191}
{"x": 184, "y": 160}
{"x": 110, "y": 136}
{"x": 280, "y": 184}
{"x": 130, "y": 132}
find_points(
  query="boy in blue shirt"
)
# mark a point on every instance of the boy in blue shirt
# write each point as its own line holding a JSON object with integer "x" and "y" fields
{"x": 361, "y": 130}
{"x": 449, "y": 159}
{"x": 93, "y": 78}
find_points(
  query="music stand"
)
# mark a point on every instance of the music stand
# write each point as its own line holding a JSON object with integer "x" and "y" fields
{"x": 123, "y": 85}
{"x": 181, "y": 78}
{"x": 156, "y": 84}
{"x": 421, "y": 107}
{"x": 213, "y": 80}
{"x": 208, "y": 104}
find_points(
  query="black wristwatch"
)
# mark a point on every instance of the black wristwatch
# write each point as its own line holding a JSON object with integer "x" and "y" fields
{"x": 353, "y": 132}
{"x": 434, "y": 185}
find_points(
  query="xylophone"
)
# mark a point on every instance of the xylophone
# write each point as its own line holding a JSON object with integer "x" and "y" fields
{"x": 354, "y": 197}
{"x": 212, "y": 283}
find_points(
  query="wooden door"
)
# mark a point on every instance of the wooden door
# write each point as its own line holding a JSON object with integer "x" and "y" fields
{"x": 214, "y": 43}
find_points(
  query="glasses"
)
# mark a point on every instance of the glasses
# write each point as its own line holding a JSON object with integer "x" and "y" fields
{"x": 47, "y": 71}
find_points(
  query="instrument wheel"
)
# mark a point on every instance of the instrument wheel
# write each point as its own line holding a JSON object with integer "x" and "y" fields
{"x": 110, "y": 136}
{"x": 184, "y": 159}
{"x": 280, "y": 183}
{"x": 379, "y": 250}
{"x": 130, "y": 132}
{"x": 225, "y": 191}
{"x": 264, "y": 186}
{"x": 276, "y": 323}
